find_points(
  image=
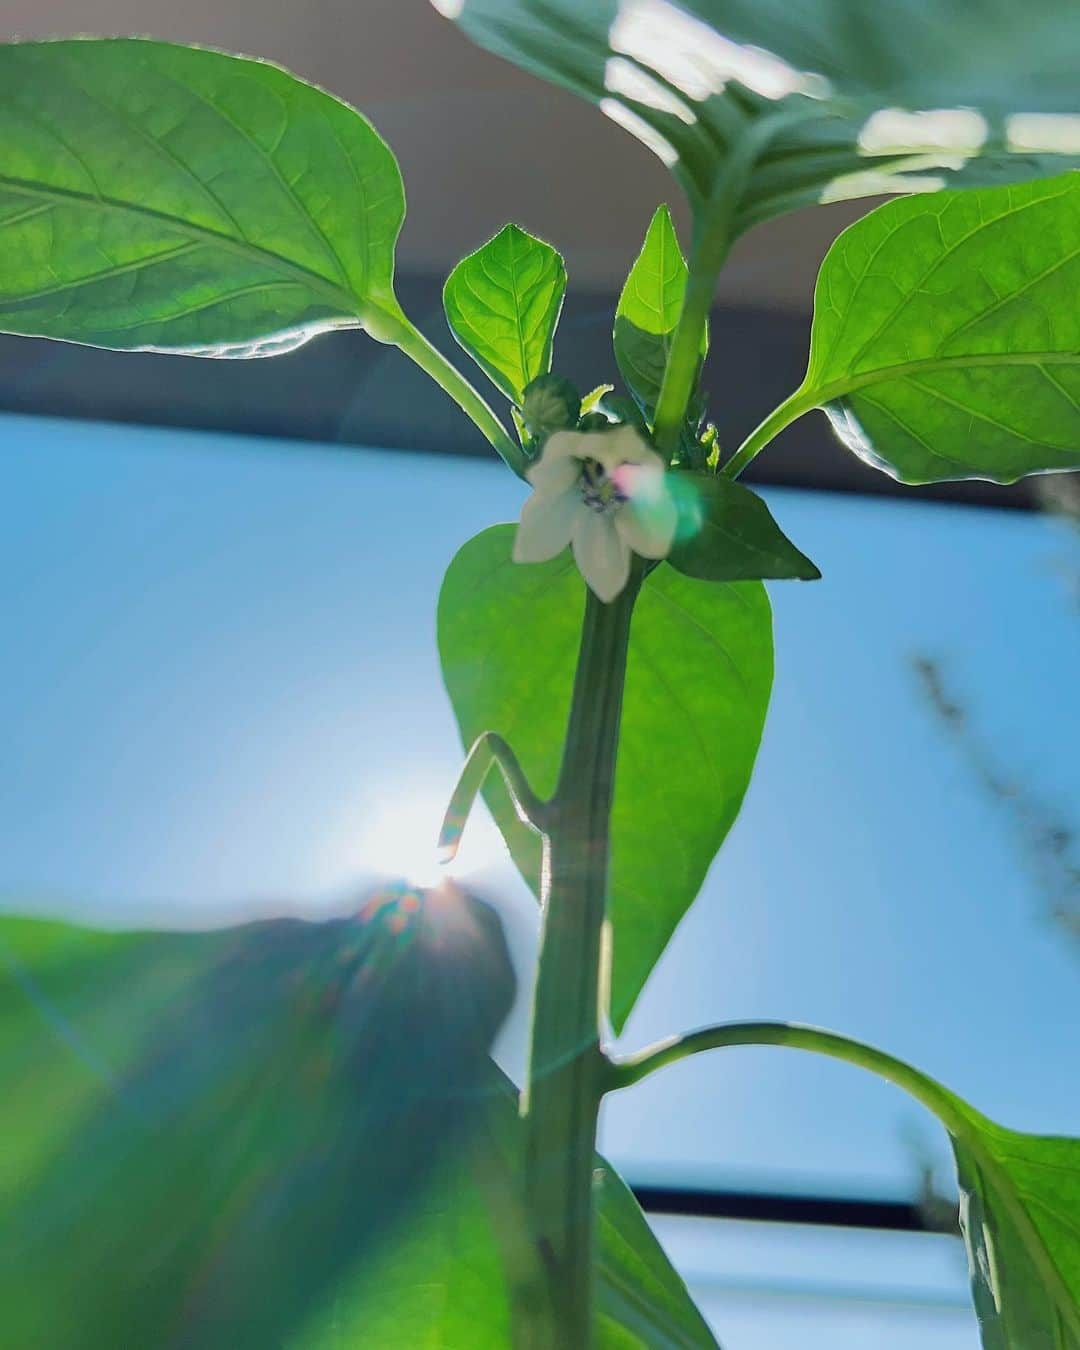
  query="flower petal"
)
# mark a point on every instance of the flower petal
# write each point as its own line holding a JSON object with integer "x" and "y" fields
{"x": 623, "y": 445}
{"x": 603, "y": 558}
{"x": 547, "y": 525}
{"x": 559, "y": 465}
{"x": 647, "y": 523}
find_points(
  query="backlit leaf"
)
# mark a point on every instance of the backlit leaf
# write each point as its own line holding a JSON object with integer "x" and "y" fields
{"x": 268, "y": 1135}
{"x": 503, "y": 302}
{"x": 698, "y": 682}
{"x": 649, "y": 309}
{"x": 727, "y": 533}
{"x": 1020, "y": 1198}
{"x": 205, "y": 1132}
{"x": 173, "y": 198}
{"x": 903, "y": 96}
{"x": 946, "y": 337}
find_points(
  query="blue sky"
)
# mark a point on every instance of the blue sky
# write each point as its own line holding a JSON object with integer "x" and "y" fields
{"x": 219, "y": 696}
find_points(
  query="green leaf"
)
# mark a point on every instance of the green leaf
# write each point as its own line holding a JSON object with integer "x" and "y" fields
{"x": 946, "y": 337}
{"x": 203, "y": 1133}
{"x": 203, "y": 1146}
{"x": 1020, "y": 1193}
{"x": 172, "y": 198}
{"x": 1020, "y": 1197}
{"x": 503, "y": 303}
{"x": 443, "y": 1282}
{"x": 643, "y": 1303}
{"x": 691, "y": 79}
{"x": 649, "y": 309}
{"x": 698, "y": 681}
{"x": 1019, "y": 1201}
{"x": 727, "y": 533}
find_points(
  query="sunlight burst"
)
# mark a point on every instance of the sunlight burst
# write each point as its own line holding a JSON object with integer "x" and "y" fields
{"x": 399, "y": 839}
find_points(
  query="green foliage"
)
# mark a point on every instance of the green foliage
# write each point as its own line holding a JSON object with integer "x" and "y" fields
{"x": 648, "y": 310}
{"x": 551, "y": 403}
{"x": 946, "y": 338}
{"x": 727, "y": 533}
{"x": 692, "y": 79}
{"x": 643, "y": 1303}
{"x": 291, "y": 1133}
{"x": 1020, "y": 1201}
{"x": 503, "y": 303}
{"x": 177, "y": 199}
{"x": 698, "y": 682}
{"x": 166, "y": 1095}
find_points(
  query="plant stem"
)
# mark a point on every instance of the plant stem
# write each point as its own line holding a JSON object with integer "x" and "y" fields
{"x": 488, "y": 750}
{"x": 932, "y": 1095}
{"x": 566, "y": 1065}
{"x": 568, "y": 1071}
{"x": 711, "y": 244}
{"x": 715, "y": 231}
{"x": 789, "y": 411}
{"x": 408, "y": 338}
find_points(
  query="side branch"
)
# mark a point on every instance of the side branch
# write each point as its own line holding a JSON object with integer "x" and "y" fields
{"x": 488, "y": 750}
{"x": 623, "y": 1073}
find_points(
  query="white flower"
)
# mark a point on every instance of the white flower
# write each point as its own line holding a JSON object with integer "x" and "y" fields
{"x": 604, "y": 493}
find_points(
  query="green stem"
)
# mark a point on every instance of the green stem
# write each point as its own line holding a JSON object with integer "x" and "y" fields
{"x": 624, "y": 1072}
{"x": 408, "y": 338}
{"x": 710, "y": 248}
{"x": 715, "y": 231}
{"x": 566, "y": 1064}
{"x": 488, "y": 750}
{"x": 792, "y": 408}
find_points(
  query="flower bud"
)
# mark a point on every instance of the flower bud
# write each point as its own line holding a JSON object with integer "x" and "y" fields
{"x": 550, "y": 404}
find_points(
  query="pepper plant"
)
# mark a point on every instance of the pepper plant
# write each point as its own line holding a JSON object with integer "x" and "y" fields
{"x": 609, "y": 656}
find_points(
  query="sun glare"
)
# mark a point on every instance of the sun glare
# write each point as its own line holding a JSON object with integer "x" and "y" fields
{"x": 398, "y": 840}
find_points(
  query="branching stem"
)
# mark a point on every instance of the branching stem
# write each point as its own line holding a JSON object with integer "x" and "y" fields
{"x": 789, "y": 411}
{"x": 408, "y": 338}
{"x": 714, "y": 233}
{"x": 488, "y": 750}
{"x": 623, "y": 1073}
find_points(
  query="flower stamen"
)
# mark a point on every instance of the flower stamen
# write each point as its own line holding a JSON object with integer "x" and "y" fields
{"x": 599, "y": 490}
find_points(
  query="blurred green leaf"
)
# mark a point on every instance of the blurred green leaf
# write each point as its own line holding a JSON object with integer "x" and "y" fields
{"x": 204, "y": 1133}
{"x": 173, "y": 198}
{"x": 444, "y": 1280}
{"x": 698, "y": 682}
{"x": 503, "y": 303}
{"x": 691, "y": 78}
{"x": 270, "y": 1135}
{"x": 727, "y": 533}
{"x": 946, "y": 337}
{"x": 649, "y": 309}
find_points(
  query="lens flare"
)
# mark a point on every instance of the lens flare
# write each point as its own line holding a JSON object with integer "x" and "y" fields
{"x": 400, "y": 840}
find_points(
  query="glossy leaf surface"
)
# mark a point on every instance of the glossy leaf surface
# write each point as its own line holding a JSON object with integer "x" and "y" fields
{"x": 946, "y": 337}
{"x": 698, "y": 682}
{"x": 727, "y": 533}
{"x": 649, "y": 309}
{"x": 689, "y": 78}
{"x": 503, "y": 303}
{"x": 173, "y": 198}
{"x": 266, "y": 1135}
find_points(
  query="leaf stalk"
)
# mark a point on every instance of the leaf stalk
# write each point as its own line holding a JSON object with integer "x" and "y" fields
{"x": 404, "y": 335}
